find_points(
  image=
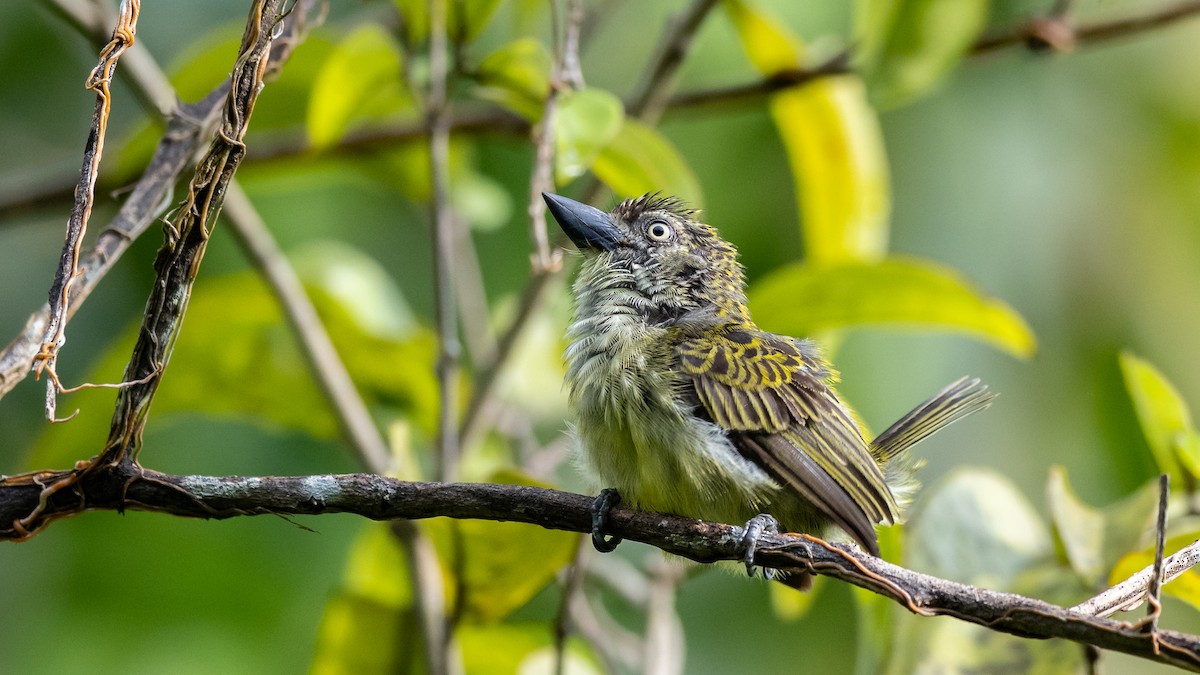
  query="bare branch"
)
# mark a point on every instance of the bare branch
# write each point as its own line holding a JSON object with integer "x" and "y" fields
{"x": 187, "y": 234}
{"x": 250, "y": 230}
{"x": 1130, "y": 593}
{"x": 188, "y": 128}
{"x": 438, "y": 130}
{"x": 55, "y": 335}
{"x": 652, "y": 96}
{"x": 662, "y": 652}
{"x": 1056, "y": 33}
{"x": 125, "y": 486}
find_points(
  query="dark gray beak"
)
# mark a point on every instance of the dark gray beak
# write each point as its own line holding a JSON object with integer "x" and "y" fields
{"x": 587, "y": 226}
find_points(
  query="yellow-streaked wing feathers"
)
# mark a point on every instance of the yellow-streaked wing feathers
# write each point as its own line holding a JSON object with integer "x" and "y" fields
{"x": 757, "y": 385}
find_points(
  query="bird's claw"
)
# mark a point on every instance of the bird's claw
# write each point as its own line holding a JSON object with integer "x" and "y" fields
{"x": 608, "y": 498}
{"x": 754, "y": 529}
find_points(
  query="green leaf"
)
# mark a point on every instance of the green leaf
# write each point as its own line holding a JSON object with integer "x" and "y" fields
{"x": 358, "y": 636}
{"x": 357, "y": 284}
{"x": 481, "y": 201}
{"x": 517, "y": 76}
{"x": 359, "y": 630}
{"x": 525, "y": 647}
{"x": 414, "y": 21}
{"x": 836, "y": 153}
{"x": 360, "y": 80}
{"x": 237, "y": 358}
{"x": 1186, "y": 586}
{"x": 640, "y": 160}
{"x": 877, "y": 616}
{"x": 1186, "y": 445}
{"x": 586, "y": 121}
{"x": 791, "y": 606}
{"x": 1164, "y": 416}
{"x": 767, "y": 42}
{"x": 468, "y": 18}
{"x": 907, "y": 47}
{"x": 1095, "y": 539}
{"x": 465, "y": 19}
{"x": 804, "y": 299}
{"x": 497, "y": 573}
{"x": 975, "y": 527}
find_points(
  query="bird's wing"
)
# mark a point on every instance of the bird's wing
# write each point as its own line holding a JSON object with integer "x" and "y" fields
{"x": 773, "y": 400}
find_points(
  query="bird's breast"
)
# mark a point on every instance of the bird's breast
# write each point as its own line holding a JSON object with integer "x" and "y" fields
{"x": 637, "y": 432}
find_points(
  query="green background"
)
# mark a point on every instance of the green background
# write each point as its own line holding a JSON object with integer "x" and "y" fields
{"x": 1065, "y": 185}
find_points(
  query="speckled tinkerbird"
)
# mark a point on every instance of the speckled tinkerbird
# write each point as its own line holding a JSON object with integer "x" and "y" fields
{"x": 683, "y": 405}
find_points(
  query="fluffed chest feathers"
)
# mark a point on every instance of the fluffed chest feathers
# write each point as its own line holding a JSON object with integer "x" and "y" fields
{"x": 636, "y": 430}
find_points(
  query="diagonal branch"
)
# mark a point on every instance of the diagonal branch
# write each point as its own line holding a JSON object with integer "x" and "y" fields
{"x": 1130, "y": 593}
{"x": 187, "y": 129}
{"x": 186, "y": 236}
{"x": 1058, "y": 34}
{"x": 652, "y": 98}
{"x": 189, "y": 126}
{"x": 55, "y": 334}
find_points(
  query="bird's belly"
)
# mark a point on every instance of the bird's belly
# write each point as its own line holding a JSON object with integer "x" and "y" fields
{"x": 660, "y": 460}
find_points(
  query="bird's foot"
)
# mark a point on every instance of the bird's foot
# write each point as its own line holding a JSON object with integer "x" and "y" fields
{"x": 609, "y": 497}
{"x": 754, "y": 529}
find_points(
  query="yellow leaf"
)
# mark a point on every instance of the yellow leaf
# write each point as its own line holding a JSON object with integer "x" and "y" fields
{"x": 907, "y": 47}
{"x": 805, "y": 299}
{"x": 640, "y": 159}
{"x": 1186, "y": 587}
{"x": 1164, "y": 416}
{"x": 361, "y": 79}
{"x": 767, "y": 43}
{"x": 835, "y": 149}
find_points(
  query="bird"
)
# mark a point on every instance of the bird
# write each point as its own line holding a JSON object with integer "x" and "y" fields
{"x": 681, "y": 404}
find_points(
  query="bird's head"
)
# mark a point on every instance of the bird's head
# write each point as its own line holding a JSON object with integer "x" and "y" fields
{"x": 655, "y": 247}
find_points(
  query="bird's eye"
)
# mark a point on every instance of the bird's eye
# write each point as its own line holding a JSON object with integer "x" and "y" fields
{"x": 659, "y": 231}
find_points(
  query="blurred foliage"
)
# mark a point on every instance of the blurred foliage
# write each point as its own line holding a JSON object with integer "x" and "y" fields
{"x": 987, "y": 198}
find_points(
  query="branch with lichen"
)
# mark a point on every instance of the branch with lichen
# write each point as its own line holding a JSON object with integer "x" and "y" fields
{"x": 127, "y": 487}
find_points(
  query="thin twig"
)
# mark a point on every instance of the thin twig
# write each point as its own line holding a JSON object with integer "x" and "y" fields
{"x": 1154, "y": 588}
{"x": 572, "y": 586}
{"x": 483, "y": 404}
{"x": 653, "y": 95}
{"x": 438, "y": 129}
{"x": 187, "y": 130}
{"x": 429, "y": 600}
{"x": 187, "y": 233}
{"x": 251, "y": 232}
{"x": 1130, "y": 593}
{"x": 479, "y": 336}
{"x": 55, "y": 336}
{"x": 612, "y": 642}
{"x": 663, "y": 647}
{"x": 839, "y": 64}
{"x": 546, "y": 262}
{"x": 1047, "y": 33}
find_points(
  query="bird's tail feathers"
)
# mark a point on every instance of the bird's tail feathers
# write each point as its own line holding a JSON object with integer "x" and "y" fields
{"x": 961, "y": 398}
